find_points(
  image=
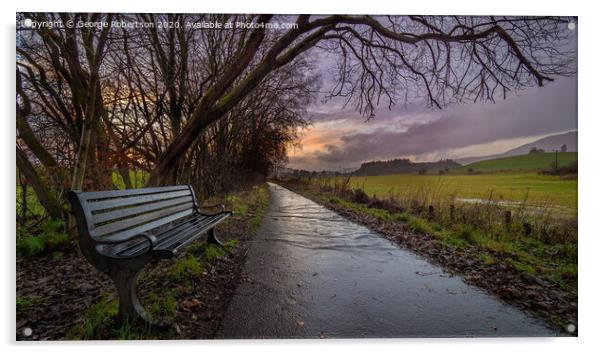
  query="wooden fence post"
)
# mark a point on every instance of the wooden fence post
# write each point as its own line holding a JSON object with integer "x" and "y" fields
{"x": 431, "y": 212}
{"x": 508, "y": 219}
{"x": 452, "y": 212}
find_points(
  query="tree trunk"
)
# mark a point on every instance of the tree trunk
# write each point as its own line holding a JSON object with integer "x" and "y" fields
{"x": 45, "y": 196}
{"x": 79, "y": 170}
{"x": 125, "y": 176}
{"x": 23, "y": 184}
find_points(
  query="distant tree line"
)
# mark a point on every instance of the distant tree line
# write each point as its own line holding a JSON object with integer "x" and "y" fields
{"x": 536, "y": 150}
{"x": 377, "y": 168}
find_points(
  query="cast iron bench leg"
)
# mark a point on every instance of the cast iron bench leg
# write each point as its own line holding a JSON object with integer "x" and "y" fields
{"x": 212, "y": 238}
{"x": 124, "y": 276}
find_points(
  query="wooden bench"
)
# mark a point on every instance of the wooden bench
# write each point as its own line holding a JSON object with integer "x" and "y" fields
{"x": 121, "y": 231}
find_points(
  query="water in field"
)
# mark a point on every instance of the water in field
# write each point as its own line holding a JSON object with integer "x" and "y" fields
{"x": 507, "y": 189}
{"x": 531, "y": 209}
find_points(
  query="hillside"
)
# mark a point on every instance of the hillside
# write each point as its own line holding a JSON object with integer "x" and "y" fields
{"x": 549, "y": 144}
{"x": 523, "y": 162}
{"x": 378, "y": 168}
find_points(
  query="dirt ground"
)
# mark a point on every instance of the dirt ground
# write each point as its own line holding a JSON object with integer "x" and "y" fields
{"x": 59, "y": 290}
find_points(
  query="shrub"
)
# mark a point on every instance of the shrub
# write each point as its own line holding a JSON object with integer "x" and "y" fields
{"x": 465, "y": 233}
{"x": 568, "y": 170}
{"x": 49, "y": 238}
{"x": 418, "y": 225}
{"x": 30, "y": 246}
{"x": 359, "y": 196}
{"x": 334, "y": 200}
{"x": 387, "y": 205}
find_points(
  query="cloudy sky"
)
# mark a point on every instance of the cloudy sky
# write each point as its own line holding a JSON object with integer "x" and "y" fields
{"x": 340, "y": 138}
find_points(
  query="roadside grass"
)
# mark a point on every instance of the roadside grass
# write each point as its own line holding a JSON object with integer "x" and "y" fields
{"x": 438, "y": 201}
{"x": 186, "y": 268}
{"x": 239, "y": 204}
{"x": 208, "y": 252}
{"x": 556, "y": 262}
{"x": 538, "y": 190}
{"x": 230, "y": 245}
{"x": 487, "y": 259}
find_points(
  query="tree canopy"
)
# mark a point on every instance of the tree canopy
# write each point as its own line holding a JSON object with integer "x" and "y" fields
{"x": 212, "y": 106}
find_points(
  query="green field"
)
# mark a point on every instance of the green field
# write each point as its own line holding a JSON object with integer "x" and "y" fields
{"x": 524, "y": 162}
{"x": 506, "y": 186}
{"x": 510, "y": 179}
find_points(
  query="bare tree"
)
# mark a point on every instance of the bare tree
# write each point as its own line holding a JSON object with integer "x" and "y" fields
{"x": 447, "y": 58}
{"x": 189, "y": 105}
{"x": 74, "y": 58}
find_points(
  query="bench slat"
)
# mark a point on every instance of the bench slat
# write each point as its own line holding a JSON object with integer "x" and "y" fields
{"x": 182, "y": 228}
{"x": 127, "y": 234}
{"x": 179, "y": 232}
{"x": 133, "y": 249}
{"x": 165, "y": 242}
{"x": 144, "y": 218}
{"x": 129, "y": 192}
{"x": 181, "y": 240}
{"x": 121, "y": 202}
{"x": 121, "y": 213}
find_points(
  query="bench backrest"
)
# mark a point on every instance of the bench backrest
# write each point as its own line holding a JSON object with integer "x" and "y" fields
{"x": 119, "y": 215}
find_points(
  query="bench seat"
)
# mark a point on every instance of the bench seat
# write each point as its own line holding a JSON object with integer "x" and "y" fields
{"x": 120, "y": 231}
{"x": 172, "y": 239}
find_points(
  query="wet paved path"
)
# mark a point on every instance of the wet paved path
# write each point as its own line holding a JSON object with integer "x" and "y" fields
{"x": 315, "y": 273}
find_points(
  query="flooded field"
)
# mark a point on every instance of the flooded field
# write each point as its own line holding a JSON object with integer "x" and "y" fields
{"x": 507, "y": 189}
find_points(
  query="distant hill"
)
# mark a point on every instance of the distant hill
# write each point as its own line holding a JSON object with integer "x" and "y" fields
{"x": 537, "y": 161}
{"x": 378, "y": 168}
{"x": 549, "y": 144}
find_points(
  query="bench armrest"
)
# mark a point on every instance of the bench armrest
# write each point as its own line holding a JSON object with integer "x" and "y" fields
{"x": 150, "y": 238}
